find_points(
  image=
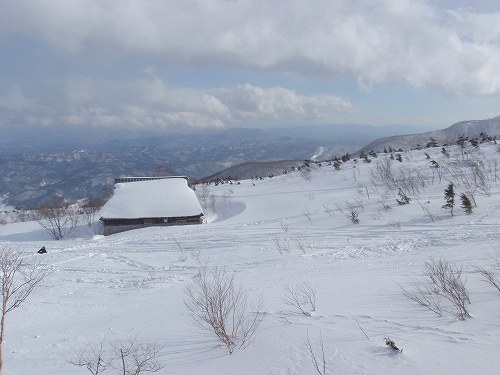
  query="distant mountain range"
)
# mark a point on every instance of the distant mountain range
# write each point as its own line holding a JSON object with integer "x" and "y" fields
{"x": 448, "y": 135}
{"x": 40, "y": 164}
{"x": 254, "y": 169}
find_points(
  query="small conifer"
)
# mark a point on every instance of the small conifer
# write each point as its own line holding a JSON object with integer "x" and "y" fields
{"x": 449, "y": 197}
{"x": 466, "y": 203}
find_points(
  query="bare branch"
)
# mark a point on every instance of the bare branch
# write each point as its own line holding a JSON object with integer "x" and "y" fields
{"x": 18, "y": 279}
{"x": 220, "y": 307}
{"x": 491, "y": 275}
{"x": 318, "y": 363}
{"x": 444, "y": 282}
{"x": 299, "y": 296}
{"x": 58, "y": 219}
{"x": 93, "y": 357}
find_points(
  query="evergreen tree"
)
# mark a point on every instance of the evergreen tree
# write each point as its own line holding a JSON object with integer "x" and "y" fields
{"x": 466, "y": 203}
{"x": 449, "y": 197}
{"x": 432, "y": 143}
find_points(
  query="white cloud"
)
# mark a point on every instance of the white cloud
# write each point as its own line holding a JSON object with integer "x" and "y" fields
{"x": 14, "y": 101}
{"x": 375, "y": 41}
{"x": 250, "y": 101}
{"x": 152, "y": 103}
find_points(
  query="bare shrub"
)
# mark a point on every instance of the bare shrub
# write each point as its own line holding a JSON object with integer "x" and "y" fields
{"x": 440, "y": 171}
{"x": 301, "y": 298}
{"x": 282, "y": 245}
{"x": 444, "y": 282}
{"x": 217, "y": 305}
{"x": 492, "y": 274}
{"x": 182, "y": 256}
{"x": 362, "y": 190}
{"x": 284, "y": 226}
{"x": 479, "y": 176}
{"x": 427, "y": 211}
{"x": 382, "y": 173}
{"x": 307, "y": 214}
{"x": 351, "y": 210}
{"x": 226, "y": 197}
{"x": 203, "y": 195}
{"x": 135, "y": 358}
{"x": 423, "y": 294}
{"x": 90, "y": 208}
{"x": 492, "y": 169}
{"x": 318, "y": 360}
{"x": 58, "y": 219}
{"x": 328, "y": 210}
{"x": 353, "y": 216}
{"x": 300, "y": 244}
{"x": 405, "y": 177}
{"x": 23, "y": 215}
{"x": 472, "y": 176}
{"x": 18, "y": 279}
{"x": 124, "y": 357}
{"x": 93, "y": 357}
{"x": 384, "y": 206}
{"x": 305, "y": 173}
{"x": 395, "y": 224}
{"x": 207, "y": 199}
{"x": 411, "y": 179}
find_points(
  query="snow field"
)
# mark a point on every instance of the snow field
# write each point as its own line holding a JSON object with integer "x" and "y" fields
{"x": 272, "y": 234}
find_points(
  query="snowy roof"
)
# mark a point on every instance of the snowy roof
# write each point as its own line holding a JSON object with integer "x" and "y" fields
{"x": 167, "y": 197}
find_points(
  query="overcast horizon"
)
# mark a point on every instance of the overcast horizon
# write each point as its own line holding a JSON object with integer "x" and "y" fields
{"x": 242, "y": 63}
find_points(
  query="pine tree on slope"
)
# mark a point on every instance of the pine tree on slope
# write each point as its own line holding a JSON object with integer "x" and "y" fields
{"x": 466, "y": 203}
{"x": 449, "y": 196}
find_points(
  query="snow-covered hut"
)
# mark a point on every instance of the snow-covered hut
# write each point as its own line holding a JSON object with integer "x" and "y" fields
{"x": 140, "y": 202}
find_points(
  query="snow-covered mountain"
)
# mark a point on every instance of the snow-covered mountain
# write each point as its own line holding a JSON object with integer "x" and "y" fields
{"x": 448, "y": 135}
{"x": 249, "y": 170}
{"x": 276, "y": 237}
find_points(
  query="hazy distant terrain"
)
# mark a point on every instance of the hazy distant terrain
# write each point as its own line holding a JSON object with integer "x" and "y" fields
{"x": 38, "y": 164}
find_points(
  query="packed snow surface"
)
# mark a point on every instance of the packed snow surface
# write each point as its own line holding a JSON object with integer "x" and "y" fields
{"x": 271, "y": 235}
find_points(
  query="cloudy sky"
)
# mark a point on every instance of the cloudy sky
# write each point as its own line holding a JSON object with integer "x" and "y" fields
{"x": 240, "y": 63}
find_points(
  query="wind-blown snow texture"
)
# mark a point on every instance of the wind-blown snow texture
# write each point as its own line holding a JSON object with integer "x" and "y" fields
{"x": 132, "y": 284}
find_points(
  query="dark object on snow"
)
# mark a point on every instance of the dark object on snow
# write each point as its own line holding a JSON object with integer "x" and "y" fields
{"x": 42, "y": 250}
{"x": 403, "y": 198}
{"x": 392, "y": 345}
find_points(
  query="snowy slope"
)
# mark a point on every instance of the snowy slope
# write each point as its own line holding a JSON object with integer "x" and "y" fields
{"x": 449, "y": 135}
{"x": 273, "y": 234}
